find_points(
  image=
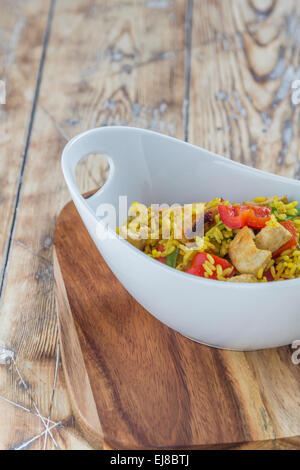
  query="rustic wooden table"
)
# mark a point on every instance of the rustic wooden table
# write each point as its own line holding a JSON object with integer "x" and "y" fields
{"x": 217, "y": 73}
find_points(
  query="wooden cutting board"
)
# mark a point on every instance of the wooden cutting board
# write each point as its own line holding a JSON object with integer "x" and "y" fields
{"x": 134, "y": 383}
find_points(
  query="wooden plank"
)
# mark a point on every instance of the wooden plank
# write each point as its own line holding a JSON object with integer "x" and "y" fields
{"x": 77, "y": 380}
{"x": 22, "y": 27}
{"x": 119, "y": 64}
{"x": 245, "y": 56}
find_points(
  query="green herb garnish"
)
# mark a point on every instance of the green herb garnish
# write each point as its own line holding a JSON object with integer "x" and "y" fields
{"x": 171, "y": 259}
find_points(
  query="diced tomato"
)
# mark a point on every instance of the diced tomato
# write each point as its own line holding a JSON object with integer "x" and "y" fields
{"x": 161, "y": 259}
{"x": 197, "y": 268}
{"x": 269, "y": 276}
{"x": 238, "y": 216}
{"x": 290, "y": 226}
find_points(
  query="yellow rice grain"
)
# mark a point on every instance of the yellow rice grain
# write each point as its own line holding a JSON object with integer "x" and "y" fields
{"x": 210, "y": 259}
{"x": 219, "y": 270}
{"x": 260, "y": 273}
{"x": 291, "y": 211}
{"x": 291, "y": 205}
{"x": 273, "y": 272}
{"x": 207, "y": 269}
{"x": 211, "y": 266}
{"x": 227, "y": 271}
{"x": 260, "y": 199}
{"x": 293, "y": 269}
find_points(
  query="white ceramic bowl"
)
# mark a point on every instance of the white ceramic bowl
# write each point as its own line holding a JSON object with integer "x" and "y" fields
{"x": 153, "y": 168}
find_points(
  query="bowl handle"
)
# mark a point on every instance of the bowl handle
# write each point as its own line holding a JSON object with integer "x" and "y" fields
{"x": 99, "y": 140}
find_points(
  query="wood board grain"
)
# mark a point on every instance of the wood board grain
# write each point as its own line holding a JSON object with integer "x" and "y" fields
{"x": 152, "y": 387}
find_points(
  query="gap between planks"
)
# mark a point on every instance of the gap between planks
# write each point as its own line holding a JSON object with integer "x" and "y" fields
{"x": 26, "y": 146}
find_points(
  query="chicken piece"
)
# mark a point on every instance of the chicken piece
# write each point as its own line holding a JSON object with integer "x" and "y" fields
{"x": 245, "y": 256}
{"x": 251, "y": 233}
{"x": 136, "y": 231}
{"x": 243, "y": 278}
{"x": 272, "y": 238}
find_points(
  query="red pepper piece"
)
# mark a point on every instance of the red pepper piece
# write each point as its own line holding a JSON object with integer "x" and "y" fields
{"x": 269, "y": 276}
{"x": 290, "y": 226}
{"x": 161, "y": 259}
{"x": 238, "y": 216}
{"x": 197, "y": 268}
